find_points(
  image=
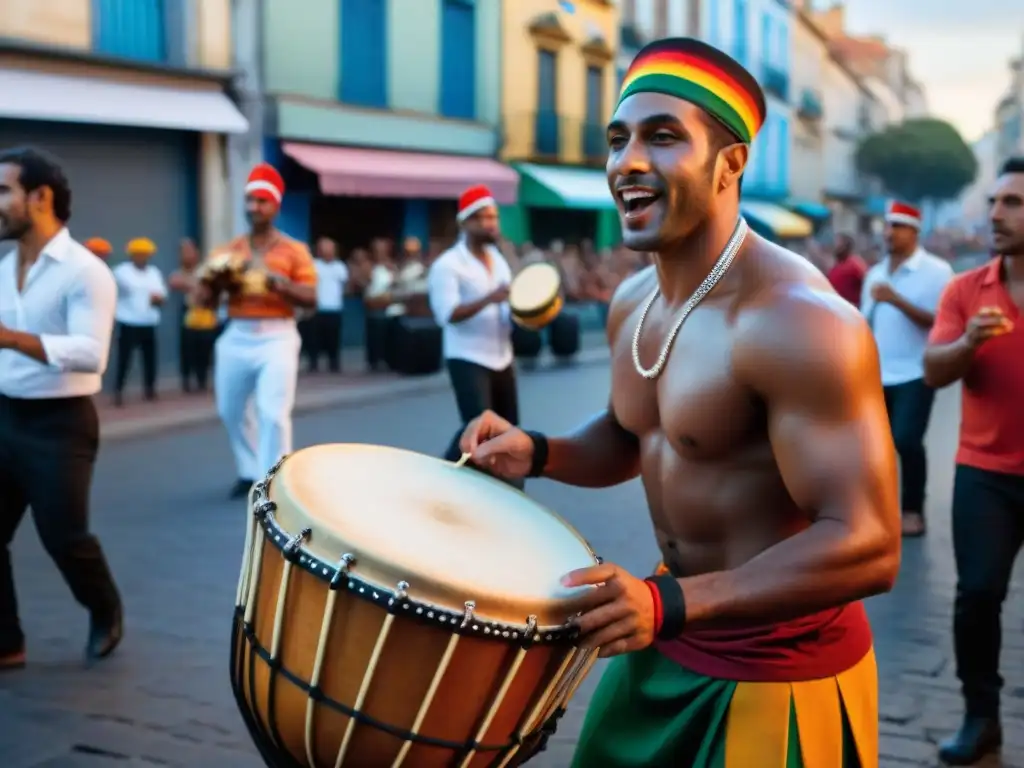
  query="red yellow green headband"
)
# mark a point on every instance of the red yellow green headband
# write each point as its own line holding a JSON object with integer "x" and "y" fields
{"x": 696, "y": 72}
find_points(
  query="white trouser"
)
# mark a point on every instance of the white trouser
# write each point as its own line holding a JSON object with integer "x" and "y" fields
{"x": 256, "y": 368}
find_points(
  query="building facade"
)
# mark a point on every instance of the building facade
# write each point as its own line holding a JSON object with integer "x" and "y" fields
{"x": 558, "y": 88}
{"x": 1009, "y": 116}
{"x": 381, "y": 112}
{"x": 132, "y": 98}
{"x": 807, "y": 155}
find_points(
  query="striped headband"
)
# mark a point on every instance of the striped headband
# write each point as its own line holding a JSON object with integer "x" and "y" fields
{"x": 696, "y": 72}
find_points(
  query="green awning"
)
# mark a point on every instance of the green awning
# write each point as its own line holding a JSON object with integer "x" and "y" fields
{"x": 560, "y": 186}
{"x": 810, "y": 209}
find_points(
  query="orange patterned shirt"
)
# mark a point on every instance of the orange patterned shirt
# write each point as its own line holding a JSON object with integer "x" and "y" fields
{"x": 286, "y": 257}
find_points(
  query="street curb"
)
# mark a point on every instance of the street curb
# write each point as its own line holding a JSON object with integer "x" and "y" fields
{"x": 359, "y": 394}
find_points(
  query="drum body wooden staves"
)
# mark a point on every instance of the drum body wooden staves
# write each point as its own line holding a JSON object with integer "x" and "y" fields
{"x": 396, "y": 610}
{"x": 535, "y": 296}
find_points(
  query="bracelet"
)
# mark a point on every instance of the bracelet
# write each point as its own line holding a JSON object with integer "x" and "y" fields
{"x": 540, "y": 454}
{"x": 659, "y": 611}
{"x": 673, "y": 606}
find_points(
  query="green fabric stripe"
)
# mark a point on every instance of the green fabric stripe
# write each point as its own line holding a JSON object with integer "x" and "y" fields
{"x": 690, "y": 91}
{"x": 648, "y": 712}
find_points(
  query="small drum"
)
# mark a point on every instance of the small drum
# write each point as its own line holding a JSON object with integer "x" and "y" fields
{"x": 398, "y": 610}
{"x": 535, "y": 296}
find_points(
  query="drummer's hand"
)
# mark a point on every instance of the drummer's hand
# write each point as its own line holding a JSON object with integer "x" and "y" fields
{"x": 618, "y": 614}
{"x": 497, "y": 445}
{"x": 499, "y": 294}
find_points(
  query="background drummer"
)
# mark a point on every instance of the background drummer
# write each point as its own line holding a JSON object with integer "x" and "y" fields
{"x": 468, "y": 292}
{"x": 257, "y": 356}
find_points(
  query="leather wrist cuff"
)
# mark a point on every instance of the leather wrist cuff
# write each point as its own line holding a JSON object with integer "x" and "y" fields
{"x": 540, "y": 454}
{"x": 673, "y": 606}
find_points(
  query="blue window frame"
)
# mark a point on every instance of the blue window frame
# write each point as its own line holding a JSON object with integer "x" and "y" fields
{"x": 458, "y": 59}
{"x": 740, "y": 30}
{"x": 132, "y": 29}
{"x": 364, "y": 52}
{"x": 767, "y": 44}
{"x": 546, "y": 128}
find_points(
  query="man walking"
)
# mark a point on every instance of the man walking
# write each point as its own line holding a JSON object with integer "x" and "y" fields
{"x": 468, "y": 292}
{"x": 847, "y": 273}
{"x": 326, "y": 324}
{"x": 56, "y": 316}
{"x": 978, "y": 339}
{"x": 899, "y": 299}
{"x": 256, "y": 358}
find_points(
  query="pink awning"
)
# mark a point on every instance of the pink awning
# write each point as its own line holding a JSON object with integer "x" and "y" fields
{"x": 383, "y": 173}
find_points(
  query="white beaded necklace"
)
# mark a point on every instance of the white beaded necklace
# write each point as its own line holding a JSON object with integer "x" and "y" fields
{"x": 717, "y": 271}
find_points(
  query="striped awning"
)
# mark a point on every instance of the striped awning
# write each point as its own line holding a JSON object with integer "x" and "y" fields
{"x": 560, "y": 186}
{"x": 774, "y": 221}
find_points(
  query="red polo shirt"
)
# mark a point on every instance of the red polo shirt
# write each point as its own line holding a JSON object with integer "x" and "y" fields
{"x": 847, "y": 277}
{"x": 992, "y": 419}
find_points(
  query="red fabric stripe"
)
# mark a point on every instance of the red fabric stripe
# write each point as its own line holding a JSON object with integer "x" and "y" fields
{"x": 810, "y": 648}
{"x": 659, "y": 610}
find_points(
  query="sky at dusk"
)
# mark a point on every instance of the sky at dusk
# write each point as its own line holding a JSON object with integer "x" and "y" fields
{"x": 959, "y": 50}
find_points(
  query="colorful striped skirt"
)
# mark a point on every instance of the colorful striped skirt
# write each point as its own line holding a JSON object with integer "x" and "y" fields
{"x": 650, "y": 712}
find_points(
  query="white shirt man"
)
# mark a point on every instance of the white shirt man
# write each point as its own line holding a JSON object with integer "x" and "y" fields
{"x": 900, "y": 297}
{"x": 325, "y": 334}
{"x": 140, "y": 293}
{"x": 468, "y": 293}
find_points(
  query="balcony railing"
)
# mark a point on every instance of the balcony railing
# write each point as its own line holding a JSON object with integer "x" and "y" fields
{"x": 776, "y": 82}
{"x": 546, "y": 133}
{"x": 594, "y": 142}
{"x": 810, "y": 106}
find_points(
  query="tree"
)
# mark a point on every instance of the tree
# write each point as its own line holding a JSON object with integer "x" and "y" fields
{"x": 919, "y": 160}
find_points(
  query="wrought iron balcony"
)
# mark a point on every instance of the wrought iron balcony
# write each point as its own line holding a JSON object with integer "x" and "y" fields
{"x": 810, "y": 106}
{"x": 775, "y": 81}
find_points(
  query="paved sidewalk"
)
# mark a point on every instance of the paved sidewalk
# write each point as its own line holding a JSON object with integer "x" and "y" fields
{"x": 175, "y": 410}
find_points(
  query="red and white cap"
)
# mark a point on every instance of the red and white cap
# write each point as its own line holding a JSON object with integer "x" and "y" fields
{"x": 903, "y": 213}
{"x": 472, "y": 200}
{"x": 265, "y": 182}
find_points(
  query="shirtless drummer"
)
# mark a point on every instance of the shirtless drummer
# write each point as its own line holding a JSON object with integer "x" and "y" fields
{"x": 761, "y": 437}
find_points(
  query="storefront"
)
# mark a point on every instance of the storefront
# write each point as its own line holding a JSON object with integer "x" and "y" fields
{"x": 144, "y": 159}
{"x": 560, "y": 202}
{"x": 355, "y": 194}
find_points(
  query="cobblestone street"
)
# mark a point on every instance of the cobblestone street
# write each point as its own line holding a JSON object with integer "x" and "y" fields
{"x": 174, "y": 545}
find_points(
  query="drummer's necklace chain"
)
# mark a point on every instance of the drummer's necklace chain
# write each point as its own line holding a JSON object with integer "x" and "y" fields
{"x": 717, "y": 271}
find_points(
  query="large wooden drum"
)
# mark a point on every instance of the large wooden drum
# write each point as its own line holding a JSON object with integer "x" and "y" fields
{"x": 535, "y": 296}
{"x": 398, "y": 610}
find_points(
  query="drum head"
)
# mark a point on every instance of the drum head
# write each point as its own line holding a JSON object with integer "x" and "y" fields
{"x": 453, "y": 533}
{"x": 533, "y": 289}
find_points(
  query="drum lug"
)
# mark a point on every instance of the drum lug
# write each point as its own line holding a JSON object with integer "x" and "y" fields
{"x": 340, "y": 577}
{"x": 402, "y": 590}
{"x": 467, "y": 616}
{"x": 291, "y": 548}
{"x": 263, "y": 509}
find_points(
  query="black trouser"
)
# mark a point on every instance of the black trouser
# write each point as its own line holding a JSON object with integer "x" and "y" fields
{"x": 479, "y": 389}
{"x": 910, "y": 408}
{"x": 988, "y": 531}
{"x": 376, "y": 338}
{"x": 47, "y": 452}
{"x": 326, "y": 340}
{"x": 195, "y": 354}
{"x": 129, "y": 339}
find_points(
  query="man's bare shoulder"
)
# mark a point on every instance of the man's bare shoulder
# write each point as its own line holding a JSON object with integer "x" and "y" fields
{"x": 630, "y": 294}
{"x": 796, "y": 329}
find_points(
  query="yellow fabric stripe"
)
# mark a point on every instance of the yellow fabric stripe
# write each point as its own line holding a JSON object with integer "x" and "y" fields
{"x": 819, "y": 720}
{"x": 757, "y": 726}
{"x": 859, "y": 688}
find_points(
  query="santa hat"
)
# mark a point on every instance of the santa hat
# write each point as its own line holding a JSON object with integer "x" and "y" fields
{"x": 265, "y": 182}
{"x": 903, "y": 213}
{"x": 472, "y": 200}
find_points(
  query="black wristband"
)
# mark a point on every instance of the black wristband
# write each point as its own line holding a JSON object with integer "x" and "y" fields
{"x": 540, "y": 453}
{"x": 673, "y": 606}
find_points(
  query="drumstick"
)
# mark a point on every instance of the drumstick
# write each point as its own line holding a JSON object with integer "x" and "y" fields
{"x": 463, "y": 459}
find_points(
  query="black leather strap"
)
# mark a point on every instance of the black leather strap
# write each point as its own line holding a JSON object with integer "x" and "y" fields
{"x": 673, "y": 606}
{"x": 540, "y": 453}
